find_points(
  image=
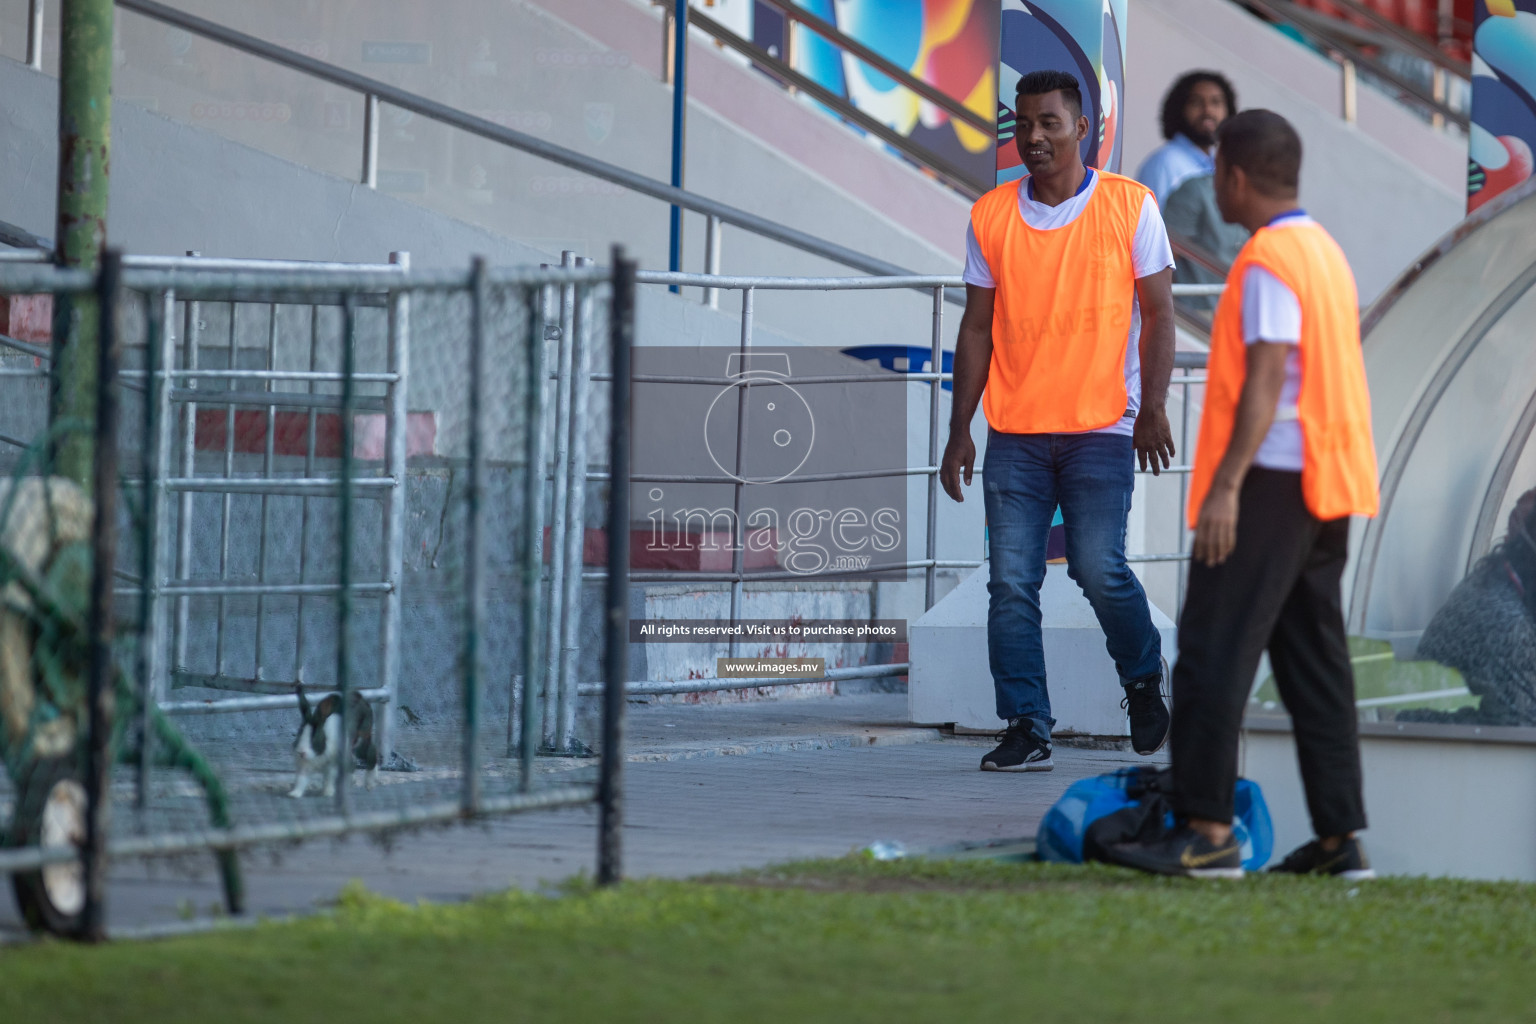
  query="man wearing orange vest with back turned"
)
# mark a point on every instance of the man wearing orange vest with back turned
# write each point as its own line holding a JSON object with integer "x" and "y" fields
{"x": 1285, "y": 457}
{"x": 1068, "y": 328}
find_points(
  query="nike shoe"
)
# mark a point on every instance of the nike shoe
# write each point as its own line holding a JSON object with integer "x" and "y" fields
{"x": 1019, "y": 749}
{"x": 1182, "y": 852}
{"x": 1348, "y": 861}
{"x": 1148, "y": 714}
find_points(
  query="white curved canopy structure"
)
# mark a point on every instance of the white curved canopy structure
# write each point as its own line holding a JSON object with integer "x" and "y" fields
{"x": 1450, "y": 352}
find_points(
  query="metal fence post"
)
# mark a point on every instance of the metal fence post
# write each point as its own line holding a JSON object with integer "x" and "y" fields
{"x": 712, "y": 228}
{"x": 100, "y": 680}
{"x": 679, "y": 127}
{"x": 227, "y": 499}
{"x": 397, "y": 451}
{"x": 616, "y": 623}
{"x": 309, "y": 471}
{"x": 1349, "y": 99}
{"x": 738, "y": 542}
{"x": 474, "y": 497}
{"x": 558, "y": 512}
{"x": 344, "y": 555}
{"x": 191, "y": 334}
{"x": 159, "y": 356}
{"x": 667, "y": 39}
{"x": 532, "y": 548}
{"x": 935, "y": 388}
{"x": 35, "y": 34}
{"x": 371, "y": 141}
{"x": 575, "y": 517}
{"x": 268, "y": 459}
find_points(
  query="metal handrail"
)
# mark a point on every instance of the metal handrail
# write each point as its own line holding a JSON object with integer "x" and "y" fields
{"x": 20, "y": 238}
{"x": 1325, "y": 31}
{"x": 1200, "y": 256}
{"x": 830, "y": 284}
{"x": 953, "y": 175}
{"x": 374, "y": 89}
{"x": 1407, "y": 39}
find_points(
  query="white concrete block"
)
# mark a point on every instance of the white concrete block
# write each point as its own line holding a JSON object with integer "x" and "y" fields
{"x": 951, "y": 682}
{"x": 1441, "y": 800}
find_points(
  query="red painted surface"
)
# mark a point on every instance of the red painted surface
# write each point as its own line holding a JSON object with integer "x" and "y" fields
{"x": 290, "y": 432}
{"x": 1418, "y": 16}
{"x": 27, "y": 318}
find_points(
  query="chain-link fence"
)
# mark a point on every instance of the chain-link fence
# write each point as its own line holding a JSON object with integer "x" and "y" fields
{"x": 324, "y": 500}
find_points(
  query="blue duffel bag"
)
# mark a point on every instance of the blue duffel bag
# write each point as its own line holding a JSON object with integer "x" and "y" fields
{"x": 1133, "y": 804}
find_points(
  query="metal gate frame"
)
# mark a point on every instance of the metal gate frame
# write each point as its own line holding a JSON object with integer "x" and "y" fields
{"x": 162, "y": 281}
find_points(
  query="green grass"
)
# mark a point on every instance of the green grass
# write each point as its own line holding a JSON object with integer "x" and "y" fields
{"x": 846, "y": 941}
{"x": 1379, "y": 674}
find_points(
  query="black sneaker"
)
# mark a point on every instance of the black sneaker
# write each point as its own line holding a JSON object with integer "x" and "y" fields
{"x": 1019, "y": 750}
{"x": 1182, "y": 852}
{"x": 1348, "y": 861}
{"x": 1148, "y": 714}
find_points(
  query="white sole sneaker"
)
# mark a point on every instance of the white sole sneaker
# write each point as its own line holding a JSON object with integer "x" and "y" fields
{"x": 1209, "y": 873}
{"x": 1044, "y": 765}
{"x": 1363, "y": 875}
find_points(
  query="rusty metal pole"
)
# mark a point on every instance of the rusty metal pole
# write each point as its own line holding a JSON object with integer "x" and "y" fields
{"x": 85, "y": 127}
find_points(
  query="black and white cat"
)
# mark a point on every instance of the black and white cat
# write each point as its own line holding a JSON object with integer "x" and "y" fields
{"x": 317, "y": 749}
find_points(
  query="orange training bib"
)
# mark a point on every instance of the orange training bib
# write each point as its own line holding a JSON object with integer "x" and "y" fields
{"x": 1062, "y": 313}
{"x": 1338, "y": 476}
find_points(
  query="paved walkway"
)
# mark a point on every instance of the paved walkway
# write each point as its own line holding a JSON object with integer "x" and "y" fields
{"x": 708, "y": 789}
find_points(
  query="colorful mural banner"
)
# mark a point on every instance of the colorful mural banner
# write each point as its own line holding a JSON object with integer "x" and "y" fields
{"x": 1503, "y": 132}
{"x": 949, "y": 44}
{"x": 1084, "y": 37}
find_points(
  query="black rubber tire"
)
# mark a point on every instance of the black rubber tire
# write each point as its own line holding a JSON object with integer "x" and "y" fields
{"x": 51, "y": 899}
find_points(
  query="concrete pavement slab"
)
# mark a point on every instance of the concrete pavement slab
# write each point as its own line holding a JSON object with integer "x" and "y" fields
{"x": 685, "y": 815}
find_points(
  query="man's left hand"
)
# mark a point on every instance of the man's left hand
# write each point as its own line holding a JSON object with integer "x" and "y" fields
{"x": 1216, "y": 528}
{"x": 1153, "y": 439}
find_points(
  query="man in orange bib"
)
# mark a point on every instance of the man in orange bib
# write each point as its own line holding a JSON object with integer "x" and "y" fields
{"x": 1285, "y": 457}
{"x": 1068, "y": 328}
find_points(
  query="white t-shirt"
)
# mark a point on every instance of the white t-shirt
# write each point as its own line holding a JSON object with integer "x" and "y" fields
{"x": 1150, "y": 253}
{"x": 1272, "y": 313}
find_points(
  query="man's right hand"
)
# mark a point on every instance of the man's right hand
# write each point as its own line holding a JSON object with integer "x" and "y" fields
{"x": 959, "y": 455}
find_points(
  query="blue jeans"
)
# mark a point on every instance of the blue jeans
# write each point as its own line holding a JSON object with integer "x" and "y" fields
{"x": 1091, "y": 476}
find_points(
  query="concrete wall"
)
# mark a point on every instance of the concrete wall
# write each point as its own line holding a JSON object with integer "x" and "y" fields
{"x": 533, "y": 72}
{"x": 225, "y": 198}
{"x": 1427, "y": 788}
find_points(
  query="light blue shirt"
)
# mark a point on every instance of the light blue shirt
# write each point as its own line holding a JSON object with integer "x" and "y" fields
{"x": 1172, "y": 164}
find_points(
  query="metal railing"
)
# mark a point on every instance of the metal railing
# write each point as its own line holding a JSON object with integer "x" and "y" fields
{"x": 738, "y": 577}
{"x": 958, "y": 178}
{"x": 172, "y": 573}
{"x": 1350, "y": 46}
{"x": 376, "y": 92}
{"x": 137, "y": 298}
